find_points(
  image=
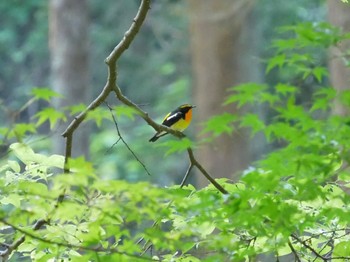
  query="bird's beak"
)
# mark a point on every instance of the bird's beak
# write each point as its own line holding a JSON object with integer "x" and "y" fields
{"x": 193, "y": 106}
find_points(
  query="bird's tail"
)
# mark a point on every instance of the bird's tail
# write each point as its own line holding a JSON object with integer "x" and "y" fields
{"x": 157, "y": 135}
{"x": 154, "y": 138}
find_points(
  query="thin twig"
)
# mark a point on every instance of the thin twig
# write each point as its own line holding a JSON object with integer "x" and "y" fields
{"x": 112, "y": 76}
{"x": 124, "y": 142}
{"x": 131, "y": 33}
{"x": 204, "y": 172}
{"x": 309, "y": 247}
{"x": 295, "y": 253}
{"x": 68, "y": 152}
{"x": 114, "y": 144}
{"x": 326, "y": 232}
{"x": 330, "y": 242}
{"x": 12, "y": 247}
{"x": 146, "y": 249}
{"x": 186, "y": 175}
{"x": 68, "y": 245}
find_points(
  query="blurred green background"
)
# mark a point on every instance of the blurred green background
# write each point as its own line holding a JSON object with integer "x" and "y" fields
{"x": 157, "y": 72}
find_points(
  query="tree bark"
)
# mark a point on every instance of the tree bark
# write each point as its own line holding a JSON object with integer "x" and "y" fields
{"x": 339, "y": 15}
{"x": 68, "y": 42}
{"x": 217, "y": 29}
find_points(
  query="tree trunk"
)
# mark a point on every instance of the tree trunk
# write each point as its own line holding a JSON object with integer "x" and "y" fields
{"x": 217, "y": 29}
{"x": 68, "y": 42}
{"x": 339, "y": 15}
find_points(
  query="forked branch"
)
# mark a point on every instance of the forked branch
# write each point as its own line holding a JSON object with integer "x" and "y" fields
{"x": 111, "y": 86}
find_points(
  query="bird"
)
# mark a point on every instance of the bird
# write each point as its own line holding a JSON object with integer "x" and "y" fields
{"x": 178, "y": 120}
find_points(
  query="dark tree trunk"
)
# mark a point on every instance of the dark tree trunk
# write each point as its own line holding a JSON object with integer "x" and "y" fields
{"x": 339, "y": 15}
{"x": 68, "y": 41}
{"x": 217, "y": 31}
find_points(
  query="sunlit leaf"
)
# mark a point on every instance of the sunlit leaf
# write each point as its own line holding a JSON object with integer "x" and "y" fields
{"x": 22, "y": 129}
{"x": 245, "y": 93}
{"x": 12, "y": 199}
{"x": 342, "y": 249}
{"x": 125, "y": 111}
{"x": 98, "y": 115}
{"x": 49, "y": 114}
{"x": 44, "y": 93}
{"x": 175, "y": 146}
{"x": 24, "y": 153}
{"x": 220, "y": 124}
{"x": 285, "y": 89}
{"x": 276, "y": 61}
{"x": 252, "y": 121}
{"x": 76, "y": 108}
{"x": 319, "y": 73}
{"x": 14, "y": 166}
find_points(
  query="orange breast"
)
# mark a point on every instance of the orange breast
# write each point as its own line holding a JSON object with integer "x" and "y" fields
{"x": 182, "y": 124}
{"x": 188, "y": 116}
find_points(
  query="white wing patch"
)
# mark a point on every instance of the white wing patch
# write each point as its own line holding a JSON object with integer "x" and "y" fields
{"x": 174, "y": 116}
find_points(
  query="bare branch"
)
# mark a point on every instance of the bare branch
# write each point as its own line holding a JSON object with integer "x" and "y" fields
{"x": 112, "y": 76}
{"x": 144, "y": 115}
{"x": 12, "y": 247}
{"x": 178, "y": 134}
{"x": 186, "y": 175}
{"x": 111, "y": 85}
{"x": 309, "y": 247}
{"x": 130, "y": 34}
{"x": 204, "y": 172}
{"x": 295, "y": 253}
{"x": 124, "y": 142}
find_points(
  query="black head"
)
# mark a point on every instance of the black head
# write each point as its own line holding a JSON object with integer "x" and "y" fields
{"x": 185, "y": 108}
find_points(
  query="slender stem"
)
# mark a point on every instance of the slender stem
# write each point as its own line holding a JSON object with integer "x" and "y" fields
{"x": 186, "y": 175}
{"x": 204, "y": 172}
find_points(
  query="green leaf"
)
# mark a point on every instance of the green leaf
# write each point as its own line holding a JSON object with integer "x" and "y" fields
{"x": 12, "y": 199}
{"x": 80, "y": 165}
{"x": 126, "y": 111}
{"x": 323, "y": 98}
{"x": 344, "y": 97}
{"x": 342, "y": 249}
{"x": 278, "y": 60}
{"x": 21, "y": 129}
{"x": 176, "y": 145}
{"x": 252, "y": 121}
{"x": 285, "y": 89}
{"x": 168, "y": 69}
{"x": 34, "y": 188}
{"x": 24, "y": 153}
{"x": 320, "y": 72}
{"x": 76, "y": 109}
{"x": 44, "y": 93}
{"x": 98, "y": 115}
{"x": 271, "y": 99}
{"x": 284, "y": 44}
{"x": 300, "y": 58}
{"x": 14, "y": 166}
{"x": 49, "y": 114}
{"x": 246, "y": 93}
{"x": 219, "y": 124}
{"x": 4, "y": 131}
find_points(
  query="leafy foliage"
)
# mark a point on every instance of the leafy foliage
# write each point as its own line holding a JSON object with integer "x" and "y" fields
{"x": 294, "y": 202}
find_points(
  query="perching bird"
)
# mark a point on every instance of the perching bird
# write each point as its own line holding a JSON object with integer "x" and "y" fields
{"x": 179, "y": 120}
